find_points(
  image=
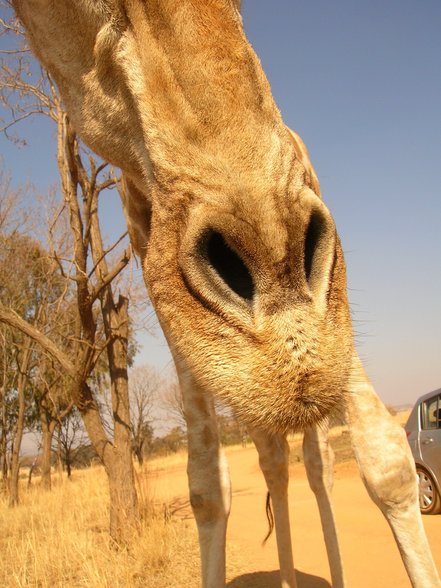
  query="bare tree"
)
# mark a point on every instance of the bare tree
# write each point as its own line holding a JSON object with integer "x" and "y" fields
{"x": 172, "y": 403}
{"x": 13, "y": 215}
{"x": 145, "y": 382}
{"x": 173, "y": 407}
{"x": 83, "y": 179}
{"x": 70, "y": 439}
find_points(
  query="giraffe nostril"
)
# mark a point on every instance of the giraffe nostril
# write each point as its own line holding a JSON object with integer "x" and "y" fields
{"x": 312, "y": 239}
{"x": 228, "y": 265}
{"x": 319, "y": 250}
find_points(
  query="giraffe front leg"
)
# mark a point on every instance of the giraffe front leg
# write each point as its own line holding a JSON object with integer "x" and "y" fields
{"x": 209, "y": 482}
{"x": 273, "y": 459}
{"x": 319, "y": 463}
{"x": 388, "y": 472}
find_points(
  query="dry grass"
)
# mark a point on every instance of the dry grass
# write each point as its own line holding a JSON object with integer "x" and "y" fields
{"x": 61, "y": 539}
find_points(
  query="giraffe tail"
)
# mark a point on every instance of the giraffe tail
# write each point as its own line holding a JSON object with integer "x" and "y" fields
{"x": 269, "y": 516}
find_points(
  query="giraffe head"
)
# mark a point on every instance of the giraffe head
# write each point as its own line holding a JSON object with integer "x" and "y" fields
{"x": 250, "y": 290}
{"x": 240, "y": 255}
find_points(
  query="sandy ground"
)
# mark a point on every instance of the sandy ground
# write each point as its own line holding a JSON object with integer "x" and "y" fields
{"x": 371, "y": 559}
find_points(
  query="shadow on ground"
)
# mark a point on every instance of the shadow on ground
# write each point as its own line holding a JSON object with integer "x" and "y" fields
{"x": 272, "y": 580}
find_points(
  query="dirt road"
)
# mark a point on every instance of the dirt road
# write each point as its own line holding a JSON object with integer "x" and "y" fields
{"x": 371, "y": 559}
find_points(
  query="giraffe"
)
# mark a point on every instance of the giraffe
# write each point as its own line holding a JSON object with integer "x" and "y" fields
{"x": 240, "y": 255}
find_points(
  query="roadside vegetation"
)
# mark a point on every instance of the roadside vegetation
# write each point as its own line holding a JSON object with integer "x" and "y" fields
{"x": 61, "y": 538}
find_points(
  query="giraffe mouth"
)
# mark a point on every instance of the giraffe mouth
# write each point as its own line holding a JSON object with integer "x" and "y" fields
{"x": 284, "y": 411}
{"x": 306, "y": 412}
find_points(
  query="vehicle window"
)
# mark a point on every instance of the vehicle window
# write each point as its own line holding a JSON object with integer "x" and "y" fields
{"x": 431, "y": 413}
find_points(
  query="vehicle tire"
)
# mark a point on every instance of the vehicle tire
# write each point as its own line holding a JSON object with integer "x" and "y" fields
{"x": 430, "y": 499}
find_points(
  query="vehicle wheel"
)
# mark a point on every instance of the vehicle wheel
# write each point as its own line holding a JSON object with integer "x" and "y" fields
{"x": 430, "y": 500}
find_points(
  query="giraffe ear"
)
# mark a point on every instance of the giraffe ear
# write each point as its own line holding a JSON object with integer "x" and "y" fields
{"x": 303, "y": 156}
{"x": 137, "y": 211}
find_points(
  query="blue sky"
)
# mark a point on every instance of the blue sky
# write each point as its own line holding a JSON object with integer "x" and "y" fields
{"x": 361, "y": 83}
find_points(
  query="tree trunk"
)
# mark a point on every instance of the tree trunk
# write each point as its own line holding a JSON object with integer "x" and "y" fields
{"x": 139, "y": 452}
{"x": 47, "y": 429}
{"x": 59, "y": 454}
{"x": 31, "y": 471}
{"x": 18, "y": 436}
{"x": 4, "y": 447}
{"x": 124, "y": 518}
{"x": 118, "y": 459}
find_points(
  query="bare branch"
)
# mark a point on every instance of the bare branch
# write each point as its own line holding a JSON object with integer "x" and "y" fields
{"x": 107, "y": 251}
{"x": 109, "y": 183}
{"x": 13, "y": 51}
{"x": 12, "y": 319}
{"x": 9, "y": 27}
{"x": 63, "y": 414}
{"x": 100, "y": 168}
{"x": 7, "y": 126}
{"x": 107, "y": 279}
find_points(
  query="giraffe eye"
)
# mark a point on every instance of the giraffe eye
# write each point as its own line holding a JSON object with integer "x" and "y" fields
{"x": 229, "y": 266}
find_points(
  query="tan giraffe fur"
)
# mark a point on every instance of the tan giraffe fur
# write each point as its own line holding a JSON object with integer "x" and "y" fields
{"x": 172, "y": 93}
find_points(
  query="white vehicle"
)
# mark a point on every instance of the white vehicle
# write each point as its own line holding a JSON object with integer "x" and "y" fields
{"x": 423, "y": 430}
